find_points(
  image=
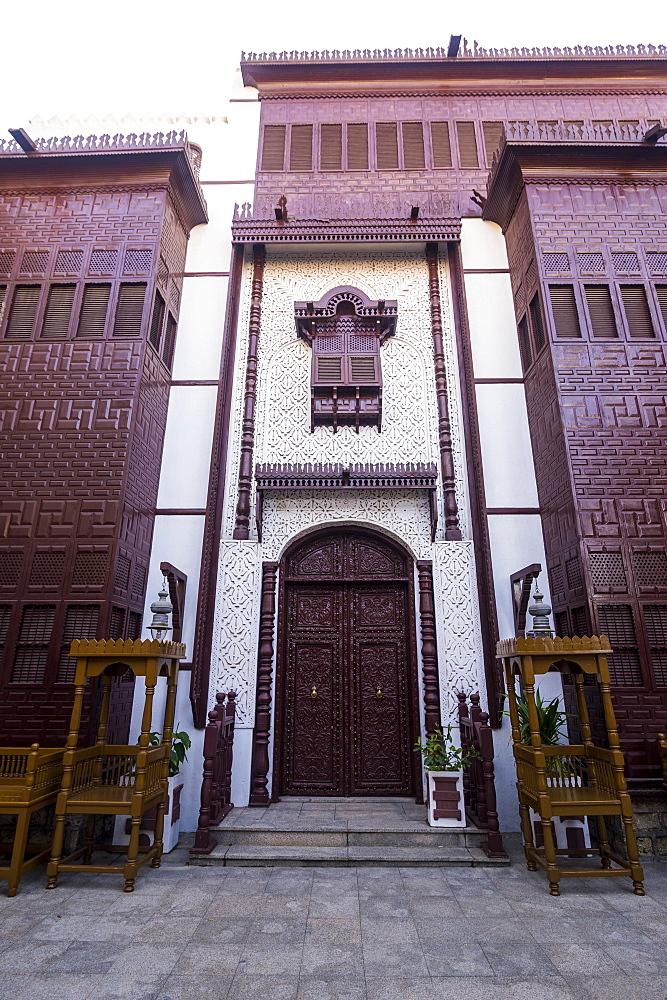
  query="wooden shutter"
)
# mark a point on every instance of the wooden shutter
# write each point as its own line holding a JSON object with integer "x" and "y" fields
{"x": 601, "y": 311}
{"x": 357, "y": 146}
{"x": 493, "y": 132}
{"x": 169, "y": 338}
{"x": 32, "y": 649}
{"x": 301, "y": 148}
{"x": 440, "y": 144}
{"x": 58, "y": 310}
{"x": 129, "y": 309}
{"x": 617, "y": 623}
{"x": 93, "y": 315}
{"x": 655, "y": 621}
{"x": 363, "y": 369}
{"x": 637, "y": 312}
{"x": 81, "y": 622}
{"x": 22, "y": 315}
{"x": 537, "y": 324}
{"x": 156, "y": 321}
{"x": 3, "y": 292}
{"x": 329, "y": 369}
{"x": 468, "y": 157}
{"x": 524, "y": 343}
{"x": 117, "y": 623}
{"x": 564, "y": 308}
{"x": 331, "y": 147}
{"x": 273, "y": 148}
{"x": 386, "y": 140}
{"x": 413, "y": 146}
{"x": 661, "y": 292}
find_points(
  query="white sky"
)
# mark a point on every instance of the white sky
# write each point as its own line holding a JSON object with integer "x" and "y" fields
{"x": 77, "y": 57}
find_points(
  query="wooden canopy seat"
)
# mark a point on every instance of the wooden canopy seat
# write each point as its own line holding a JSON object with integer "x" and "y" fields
{"x": 569, "y": 780}
{"x": 114, "y": 780}
{"x": 30, "y": 778}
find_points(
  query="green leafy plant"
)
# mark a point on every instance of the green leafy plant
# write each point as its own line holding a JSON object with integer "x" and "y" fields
{"x": 550, "y": 719}
{"x": 440, "y": 753}
{"x": 180, "y": 744}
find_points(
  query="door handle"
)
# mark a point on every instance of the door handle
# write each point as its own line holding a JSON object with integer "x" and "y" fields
{"x": 378, "y": 692}
{"x": 313, "y": 691}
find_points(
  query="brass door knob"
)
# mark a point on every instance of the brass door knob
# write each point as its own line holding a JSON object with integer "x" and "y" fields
{"x": 378, "y": 692}
{"x": 313, "y": 692}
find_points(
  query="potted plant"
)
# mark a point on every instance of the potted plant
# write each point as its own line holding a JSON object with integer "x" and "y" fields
{"x": 180, "y": 744}
{"x": 444, "y": 762}
{"x": 570, "y": 831}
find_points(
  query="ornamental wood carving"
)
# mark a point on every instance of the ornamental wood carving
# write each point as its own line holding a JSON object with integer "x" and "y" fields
{"x": 259, "y": 795}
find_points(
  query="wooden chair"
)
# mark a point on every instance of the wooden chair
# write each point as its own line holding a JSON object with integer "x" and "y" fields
{"x": 569, "y": 780}
{"x": 30, "y": 779}
{"x": 116, "y": 780}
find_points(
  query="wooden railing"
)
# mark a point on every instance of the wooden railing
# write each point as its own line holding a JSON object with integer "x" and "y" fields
{"x": 216, "y": 800}
{"x": 479, "y": 788}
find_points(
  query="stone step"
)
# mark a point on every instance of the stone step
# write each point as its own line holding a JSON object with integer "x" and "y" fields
{"x": 344, "y": 835}
{"x": 284, "y": 856}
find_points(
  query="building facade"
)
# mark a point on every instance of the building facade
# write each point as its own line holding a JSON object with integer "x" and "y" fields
{"x": 420, "y": 359}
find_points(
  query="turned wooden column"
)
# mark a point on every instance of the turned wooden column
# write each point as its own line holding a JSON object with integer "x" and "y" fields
{"x": 242, "y": 526}
{"x": 452, "y": 530}
{"x": 259, "y": 793}
{"x": 429, "y": 646}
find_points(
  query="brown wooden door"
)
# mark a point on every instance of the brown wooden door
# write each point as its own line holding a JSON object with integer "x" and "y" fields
{"x": 346, "y": 704}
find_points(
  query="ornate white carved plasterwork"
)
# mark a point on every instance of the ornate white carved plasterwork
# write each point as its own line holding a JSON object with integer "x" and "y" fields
{"x": 236, "y": 625}
{"x": 404, "y": 514}
{"x": 460, "y": 655}
{"x": 409, "y": 422}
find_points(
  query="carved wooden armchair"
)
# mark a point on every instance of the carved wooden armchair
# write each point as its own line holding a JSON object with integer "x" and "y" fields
{"x": 116, "y": 780}
{"x": 569, "y": 780}
{"x": 30, "y": 779}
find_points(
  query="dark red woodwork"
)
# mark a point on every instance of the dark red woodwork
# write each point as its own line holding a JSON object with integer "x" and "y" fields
{"x": 85, "y": 394}
{"x": 259, "y": 794}
{"x": 430, "y": 676}
{"x": 446, "y": 798}
{"x": 479, "y": 785}
{"x": 346, "y": 684}
{"x": 216, "y": 789}
{"x": 242, "y": 526}
{"x": 578, "y": 236}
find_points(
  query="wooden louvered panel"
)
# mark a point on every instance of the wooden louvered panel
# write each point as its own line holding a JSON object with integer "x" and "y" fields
{"x": 273, "y": 150}
{"x": 357, "y": 146}
{"x": 386, "y": 140}
{"x": 363, "y": 370}
{"x": 169, "y": 339}
{"x": 157, "y": 320}
{"x": 81, "y": 621}
{"x": 564, "y": 309}
{"x": 301, "y": 148}
{"x": 22, "y": 315}
{"x": 468, "y": 157}
{"x": 329, "y": 369}
{"x": 58, "y": 310}
{"x": 524, "y": 343}
{"x": 32, "y": 650}
{"x": 537, "y": 324}
{"x": 331, "y": 147}
{"x": 492, "y": 135}
{"x": 616, "y": 621}
{"x": 661, "y": 292}
{"x": 413, "y": 146}
{"x": 5, "y": 617}
{"x": 93, "y": 315}
{"x": 3, "y": 293}
{"x": 440, "y": 144}
{"x": 129, "y": 309}
{"x": 637, "y": 311}
{"x": 601, "y": 311}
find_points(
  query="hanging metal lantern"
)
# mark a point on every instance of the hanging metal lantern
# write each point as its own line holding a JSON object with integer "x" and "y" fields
{"x": 162, "y": 609}
{"x": 539, "y": 611}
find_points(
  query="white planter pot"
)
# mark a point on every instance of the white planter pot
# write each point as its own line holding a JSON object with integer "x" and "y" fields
{"x": 445, "y": 798}
{"x": 172, "y": 820}
{"x": 568, "y": 826}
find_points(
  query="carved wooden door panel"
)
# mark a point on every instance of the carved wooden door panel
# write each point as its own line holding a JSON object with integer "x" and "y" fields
{"x": 346, "y": 728}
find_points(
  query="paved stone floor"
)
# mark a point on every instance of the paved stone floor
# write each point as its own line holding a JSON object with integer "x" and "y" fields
{"x": 334, "y": 934}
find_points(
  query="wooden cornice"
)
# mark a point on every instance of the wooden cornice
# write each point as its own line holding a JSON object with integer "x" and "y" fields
{"x": 517, "y": 163}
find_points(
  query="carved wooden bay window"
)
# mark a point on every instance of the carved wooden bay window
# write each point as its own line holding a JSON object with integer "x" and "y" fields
{"x": 345, "y": 331}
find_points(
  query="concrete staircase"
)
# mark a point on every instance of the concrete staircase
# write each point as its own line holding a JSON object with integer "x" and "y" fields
{"x": 343, "y": 833}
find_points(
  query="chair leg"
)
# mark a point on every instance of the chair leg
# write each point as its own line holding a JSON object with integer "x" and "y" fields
{"x": 553, "y": 873}
{"x": 603, "y": 841}
{"x": 18, "y": 851}
{"x": 158, "y": 836}
{"x": 528, "y": 840}
{"x": 56, "y": 850}
{"x": 636, "y": 870}
{"x": 130, "y": 870}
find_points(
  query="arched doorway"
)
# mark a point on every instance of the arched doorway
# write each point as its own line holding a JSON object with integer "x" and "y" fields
{"x": 346, "y": 682}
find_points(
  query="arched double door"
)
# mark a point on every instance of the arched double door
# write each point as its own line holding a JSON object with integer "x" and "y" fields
{"x": 346, "y": 698}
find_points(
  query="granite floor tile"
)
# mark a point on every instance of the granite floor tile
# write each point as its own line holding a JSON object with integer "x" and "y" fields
{"x": 618, "y": 987}
{"x": 55, "y": 987}
{"x": 332, "y": 949}
{"x": 391, "y": 947}
{"x": 220, "y": 931}
{"x": 86, "y": 957}
{"x": 28, "y": 957}
{"x": 149, "y": 960}
{"x": 250, "y": 986}
{"x": 207, "y": 959}
{"x": 470, "y": 988}
{"x": 116, "y": 987}
{"x": 518, "y": 958}
{"x": 200, "y": 987}
{"x": 312, "y": 988}
{"x": 334, "y": 905}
